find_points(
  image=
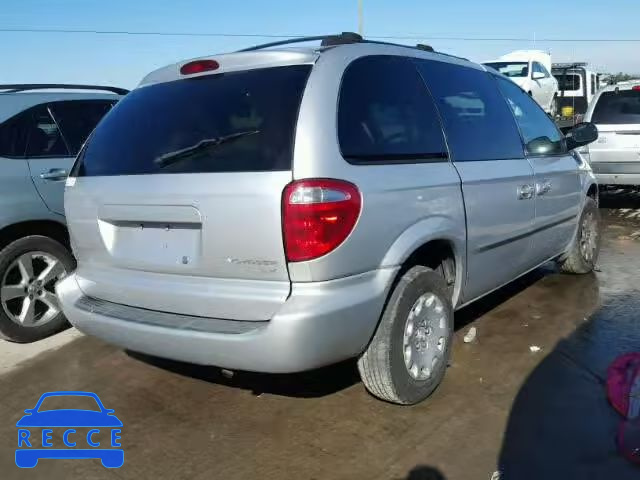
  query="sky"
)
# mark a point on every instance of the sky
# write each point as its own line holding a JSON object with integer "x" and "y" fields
{"x": 123, "y": 59}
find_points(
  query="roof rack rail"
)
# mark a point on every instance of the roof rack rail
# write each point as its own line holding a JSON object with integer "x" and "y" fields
{"x": 21, "y": 87}
{"x": 426, "y": 48}
{"x": 327, "y": 40}
{"x": 451, "y": 55}
{"x": 343, "y": 38}
{"x": 568, "y": 66}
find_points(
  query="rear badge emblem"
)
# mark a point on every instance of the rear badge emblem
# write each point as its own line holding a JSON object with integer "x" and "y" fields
{"x": 185, "y": 260}
{"x": 255, "y": 265}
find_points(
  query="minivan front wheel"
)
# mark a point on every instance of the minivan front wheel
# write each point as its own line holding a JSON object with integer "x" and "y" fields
{"x": 408, "y": 355}
{"x": 29, "y": 270}
{"x": 585, "y": 249}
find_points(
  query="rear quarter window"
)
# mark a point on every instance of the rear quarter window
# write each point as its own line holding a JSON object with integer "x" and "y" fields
{"x": 230, "y": 122}
{"x": 617, "y": 108}
{"x": 385, "y": 114}
{"x": 77, "y": 118}
{"x": 14, "y": 134}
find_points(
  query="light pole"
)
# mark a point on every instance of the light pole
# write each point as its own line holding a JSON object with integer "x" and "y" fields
{"x": 360, "y": 18}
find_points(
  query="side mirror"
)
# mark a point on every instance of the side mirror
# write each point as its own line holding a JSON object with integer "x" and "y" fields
{"x": 582, "y": 134}
{"x": 538, "y": 75}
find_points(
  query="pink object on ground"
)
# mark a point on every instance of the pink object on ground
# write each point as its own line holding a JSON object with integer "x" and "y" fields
{"x": 623, "y": 390}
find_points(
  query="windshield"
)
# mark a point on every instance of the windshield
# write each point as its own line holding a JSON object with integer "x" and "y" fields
{"x": 161, "y": 121}
{"x": 511, "y": 69}
{"x": 620, "y": 108}
{"x": 569, "y": 82}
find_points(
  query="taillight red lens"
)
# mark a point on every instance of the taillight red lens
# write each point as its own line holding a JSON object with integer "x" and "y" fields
{"x": 317, "y": 216}
{"x": 636, "y": 87}
{"x": 199, "y": 66}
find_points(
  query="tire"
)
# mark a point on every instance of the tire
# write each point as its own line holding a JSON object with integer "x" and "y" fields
{"x": 582, "y": 257}
{"x": 382, "y": 366}
{"x": 40, "y": 320}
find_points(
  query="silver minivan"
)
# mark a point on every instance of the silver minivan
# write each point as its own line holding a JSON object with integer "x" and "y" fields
{"x": 280, "y": 209}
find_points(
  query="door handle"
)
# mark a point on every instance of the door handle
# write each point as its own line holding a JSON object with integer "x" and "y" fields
{"x": 55, "y": 174}
{"x": 544, "y": 187}
{"x": 525, "y": 192}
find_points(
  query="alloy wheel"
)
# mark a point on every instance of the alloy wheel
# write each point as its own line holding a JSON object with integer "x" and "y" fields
{"x": 27, "y": 289}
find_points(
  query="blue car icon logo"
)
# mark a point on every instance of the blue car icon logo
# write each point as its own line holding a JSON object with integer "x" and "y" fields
{"x": 64, "y": 432}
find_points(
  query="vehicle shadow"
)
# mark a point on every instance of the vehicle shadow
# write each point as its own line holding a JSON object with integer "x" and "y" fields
{"x": 423, "y": 472}
{"x": 311, "y": 384}
{"x": 561, "y": 424}
{"x": 334, "y": 378}
{"x": 620, "y": 198}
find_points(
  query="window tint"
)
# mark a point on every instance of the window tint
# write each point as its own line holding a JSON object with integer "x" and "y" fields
{"x": 478, "y": 123}
{"x": 540, "y": 134}
{"x": 78, "y": 118}
{"x": 569, "y": 82}
{"x": 232, "y": 122}
{"x": 617, "y": 108}
{"x": 594, "y": 88}
{"x": 13, "y": 135}
{"x": 44, "y": 138}
{"x": 385, "y": 113}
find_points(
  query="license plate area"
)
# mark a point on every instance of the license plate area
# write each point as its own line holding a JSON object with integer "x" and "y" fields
{"x": 153, "y": 244}
{"x": 157, "y": 238}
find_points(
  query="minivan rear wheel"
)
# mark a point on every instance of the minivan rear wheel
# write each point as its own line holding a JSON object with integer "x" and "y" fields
{"x": 408, "y": 355}
{"x": 29, "y": 270}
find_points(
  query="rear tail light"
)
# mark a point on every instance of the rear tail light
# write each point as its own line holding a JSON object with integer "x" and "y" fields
{"x": 636, "y": 88}
{"x": 199, "y": 66}
{"x": 317, "y": 216}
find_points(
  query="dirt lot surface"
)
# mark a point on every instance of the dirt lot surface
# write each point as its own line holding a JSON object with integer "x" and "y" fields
{"x": 539, "y": 414}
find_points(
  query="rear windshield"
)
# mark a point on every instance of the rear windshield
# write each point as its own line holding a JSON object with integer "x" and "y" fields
{"x": 617, "y": 108}
{"x": 569, "y": 82}
{"x": 230, "y": 122}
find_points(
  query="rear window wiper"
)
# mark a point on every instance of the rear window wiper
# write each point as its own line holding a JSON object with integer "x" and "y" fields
{"x": 170, "y": 158}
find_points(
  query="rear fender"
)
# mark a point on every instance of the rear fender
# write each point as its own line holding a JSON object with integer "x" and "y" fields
{"x": 425, "y": 231}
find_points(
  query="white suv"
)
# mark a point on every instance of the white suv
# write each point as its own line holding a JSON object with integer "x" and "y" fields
{"x": 615, "y": 157}
{"x": 42, "y": 127}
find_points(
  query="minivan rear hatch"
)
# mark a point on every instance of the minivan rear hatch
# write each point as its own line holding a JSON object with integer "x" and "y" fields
{"x": 174, "y": 203}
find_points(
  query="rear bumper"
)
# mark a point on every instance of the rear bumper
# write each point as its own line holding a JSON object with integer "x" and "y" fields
{"x": 618, "y": 178}
{"x": 321, "y": 323}
{"x": 617, "y": 173}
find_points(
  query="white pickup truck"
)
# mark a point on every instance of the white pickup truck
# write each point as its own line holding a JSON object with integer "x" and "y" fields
{"x": 530, "y": 69}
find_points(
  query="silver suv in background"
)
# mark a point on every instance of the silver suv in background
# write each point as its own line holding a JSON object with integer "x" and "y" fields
{"x": 42, "y": 127}
{"x": 615, "y": 157}
{"x": 281, "y": 209}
